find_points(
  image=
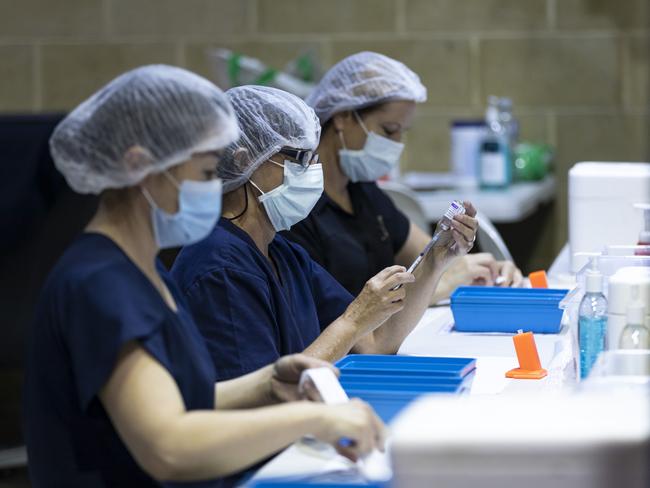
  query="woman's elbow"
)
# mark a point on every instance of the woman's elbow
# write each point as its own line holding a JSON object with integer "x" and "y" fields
{"x": 162, "y": 466}
{"x": 370, "y": 345}
{"x": 387, "y": 350}
{"x": 164, "y": 461}
{"x": 172, "y": 463}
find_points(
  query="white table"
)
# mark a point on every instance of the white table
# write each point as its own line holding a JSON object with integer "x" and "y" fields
{"x": 433, "y": 337}
{"x": 512, "y": 204}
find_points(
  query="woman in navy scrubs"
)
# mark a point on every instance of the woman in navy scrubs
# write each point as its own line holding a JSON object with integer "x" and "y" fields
{"x": 366, "y": 103}
{"x": 120, "y": 387}
{"x": 255, "y": 295}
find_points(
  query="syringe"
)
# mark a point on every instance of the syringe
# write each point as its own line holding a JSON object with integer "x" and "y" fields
{"x": 455, "y": 208}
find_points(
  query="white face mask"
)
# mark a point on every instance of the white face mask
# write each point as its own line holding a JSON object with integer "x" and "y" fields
{"x": 199, "y": 208}
{"x": 377, "y": 158}
{"x": 292, "y": 201}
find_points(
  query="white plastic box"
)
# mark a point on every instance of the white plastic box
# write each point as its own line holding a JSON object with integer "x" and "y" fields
{"x": 601, "y": 199}
{"x": 580, "y": 440}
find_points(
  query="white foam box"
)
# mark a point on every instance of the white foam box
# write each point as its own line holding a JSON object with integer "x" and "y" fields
{"x": 586, "y": 440}
{"x": 601, "y": 212}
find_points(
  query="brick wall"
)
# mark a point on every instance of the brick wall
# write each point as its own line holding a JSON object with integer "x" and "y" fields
{"x": 577, "y": 70}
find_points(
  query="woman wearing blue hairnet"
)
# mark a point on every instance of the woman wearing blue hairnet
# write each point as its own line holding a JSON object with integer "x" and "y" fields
{"x": 257, "y": 296}
{"x": 120, "y": 388}
{"x": 366, "y": 103}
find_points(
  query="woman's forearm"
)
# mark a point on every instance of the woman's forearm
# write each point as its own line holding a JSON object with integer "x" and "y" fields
{"x": 389, "y": 337}
{"x": 170, "y": 443}
{"x": 248, "y": 391}
{"x": 335, "y": 341}
{"x": 442, "y": 291}
{"x": 209, "y": 444}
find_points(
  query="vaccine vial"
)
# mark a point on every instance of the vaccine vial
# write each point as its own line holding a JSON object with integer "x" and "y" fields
{"x": 455, "y": 208}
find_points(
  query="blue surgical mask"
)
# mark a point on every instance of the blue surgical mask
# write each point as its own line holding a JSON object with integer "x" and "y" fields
{"x": 377, "y": 158}
{"x": 199, "y": 208}
{"x": 292, "y": 201}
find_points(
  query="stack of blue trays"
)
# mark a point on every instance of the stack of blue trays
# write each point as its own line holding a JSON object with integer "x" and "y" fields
{"x": 389, "y": 383}
{"x": 311, "y": 483}
{"x": 493, "y": 309}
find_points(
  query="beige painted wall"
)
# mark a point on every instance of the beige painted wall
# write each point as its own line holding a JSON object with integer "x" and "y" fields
{"x": 578, "y": 70}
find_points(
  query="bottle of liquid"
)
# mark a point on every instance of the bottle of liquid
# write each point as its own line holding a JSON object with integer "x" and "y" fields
{"x": 495, "y": 157}
{"x": 644, "y": 235}
{"x": 508, "y": 121}
{"x": 592, "y": 320}
{"x": 635, "y": 335}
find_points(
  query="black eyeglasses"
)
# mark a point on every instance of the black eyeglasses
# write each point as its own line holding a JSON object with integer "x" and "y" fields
{"x": 304, "y": 157}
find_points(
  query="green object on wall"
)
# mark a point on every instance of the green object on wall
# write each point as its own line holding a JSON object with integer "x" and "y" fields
{"x": 532, "y": 162}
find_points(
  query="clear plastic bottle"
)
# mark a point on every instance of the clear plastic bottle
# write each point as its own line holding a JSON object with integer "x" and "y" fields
{"x": 495, "y": 157}
{"x": 635, "y": 335}
{"x": 508, "y": 121}
{"x": 592, "y": 321}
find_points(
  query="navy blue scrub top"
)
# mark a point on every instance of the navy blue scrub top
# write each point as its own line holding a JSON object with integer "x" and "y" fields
{"x": 353, "y": 247}
{"x": 247, "y": 316}
{"x": 94, "y": 302}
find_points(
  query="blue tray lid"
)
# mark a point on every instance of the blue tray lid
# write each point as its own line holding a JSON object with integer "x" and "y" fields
{"x": 376, "y": 364}
{"x": 496, "y": 296}
{"x": 350, "y": 378}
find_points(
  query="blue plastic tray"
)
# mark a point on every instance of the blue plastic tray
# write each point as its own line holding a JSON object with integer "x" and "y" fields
{"x": 386, "y": 408}
{"x": 389, "y": 383}
{"x": 305, "y": 483}
{"x": 405, "y": 365}
{"x": 388, "y": 404}
{"x": 491, "y": 295}
{"x": 493, "y": 309}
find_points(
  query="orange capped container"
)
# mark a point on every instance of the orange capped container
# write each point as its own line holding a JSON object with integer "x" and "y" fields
{"x": 530, "y": 367}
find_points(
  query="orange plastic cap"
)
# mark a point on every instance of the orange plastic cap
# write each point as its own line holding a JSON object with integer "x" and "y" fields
{"x": 538, "y": 279}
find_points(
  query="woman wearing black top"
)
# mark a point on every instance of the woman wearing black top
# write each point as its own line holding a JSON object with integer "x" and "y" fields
{"x": 365, "y": 104}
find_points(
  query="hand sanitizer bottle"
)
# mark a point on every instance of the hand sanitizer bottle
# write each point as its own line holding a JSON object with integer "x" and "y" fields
{"x": 592, "y": 320}
{"x": 635, "y": 335}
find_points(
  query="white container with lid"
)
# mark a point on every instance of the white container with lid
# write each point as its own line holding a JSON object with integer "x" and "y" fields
{"x": 466, "y": 138}
{"x": 601, "y": 199}
{"x": 582, "y": 440}
{"x": 621, "y": 284}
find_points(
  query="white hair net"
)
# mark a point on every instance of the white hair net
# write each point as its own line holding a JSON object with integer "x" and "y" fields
{"x": 270, "y": 119}
{"x": 142, "y": 122}
{"x": 362, "y": 80}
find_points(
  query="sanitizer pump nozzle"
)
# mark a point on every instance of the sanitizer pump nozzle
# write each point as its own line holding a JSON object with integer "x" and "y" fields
{"x": 644, "y": 235}
{"x": 593, "y": 277}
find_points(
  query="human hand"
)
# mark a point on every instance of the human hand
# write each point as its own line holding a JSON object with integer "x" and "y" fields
{"x": 285, "y": 376}
{"x": 459, "y": 239}
{"x": 357, "y": 423}
{"x": 381, "y": 297}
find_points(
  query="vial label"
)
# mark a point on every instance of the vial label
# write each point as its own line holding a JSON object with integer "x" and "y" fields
{"x": 493, "y": 169}
{"x": 455, "y": 208}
